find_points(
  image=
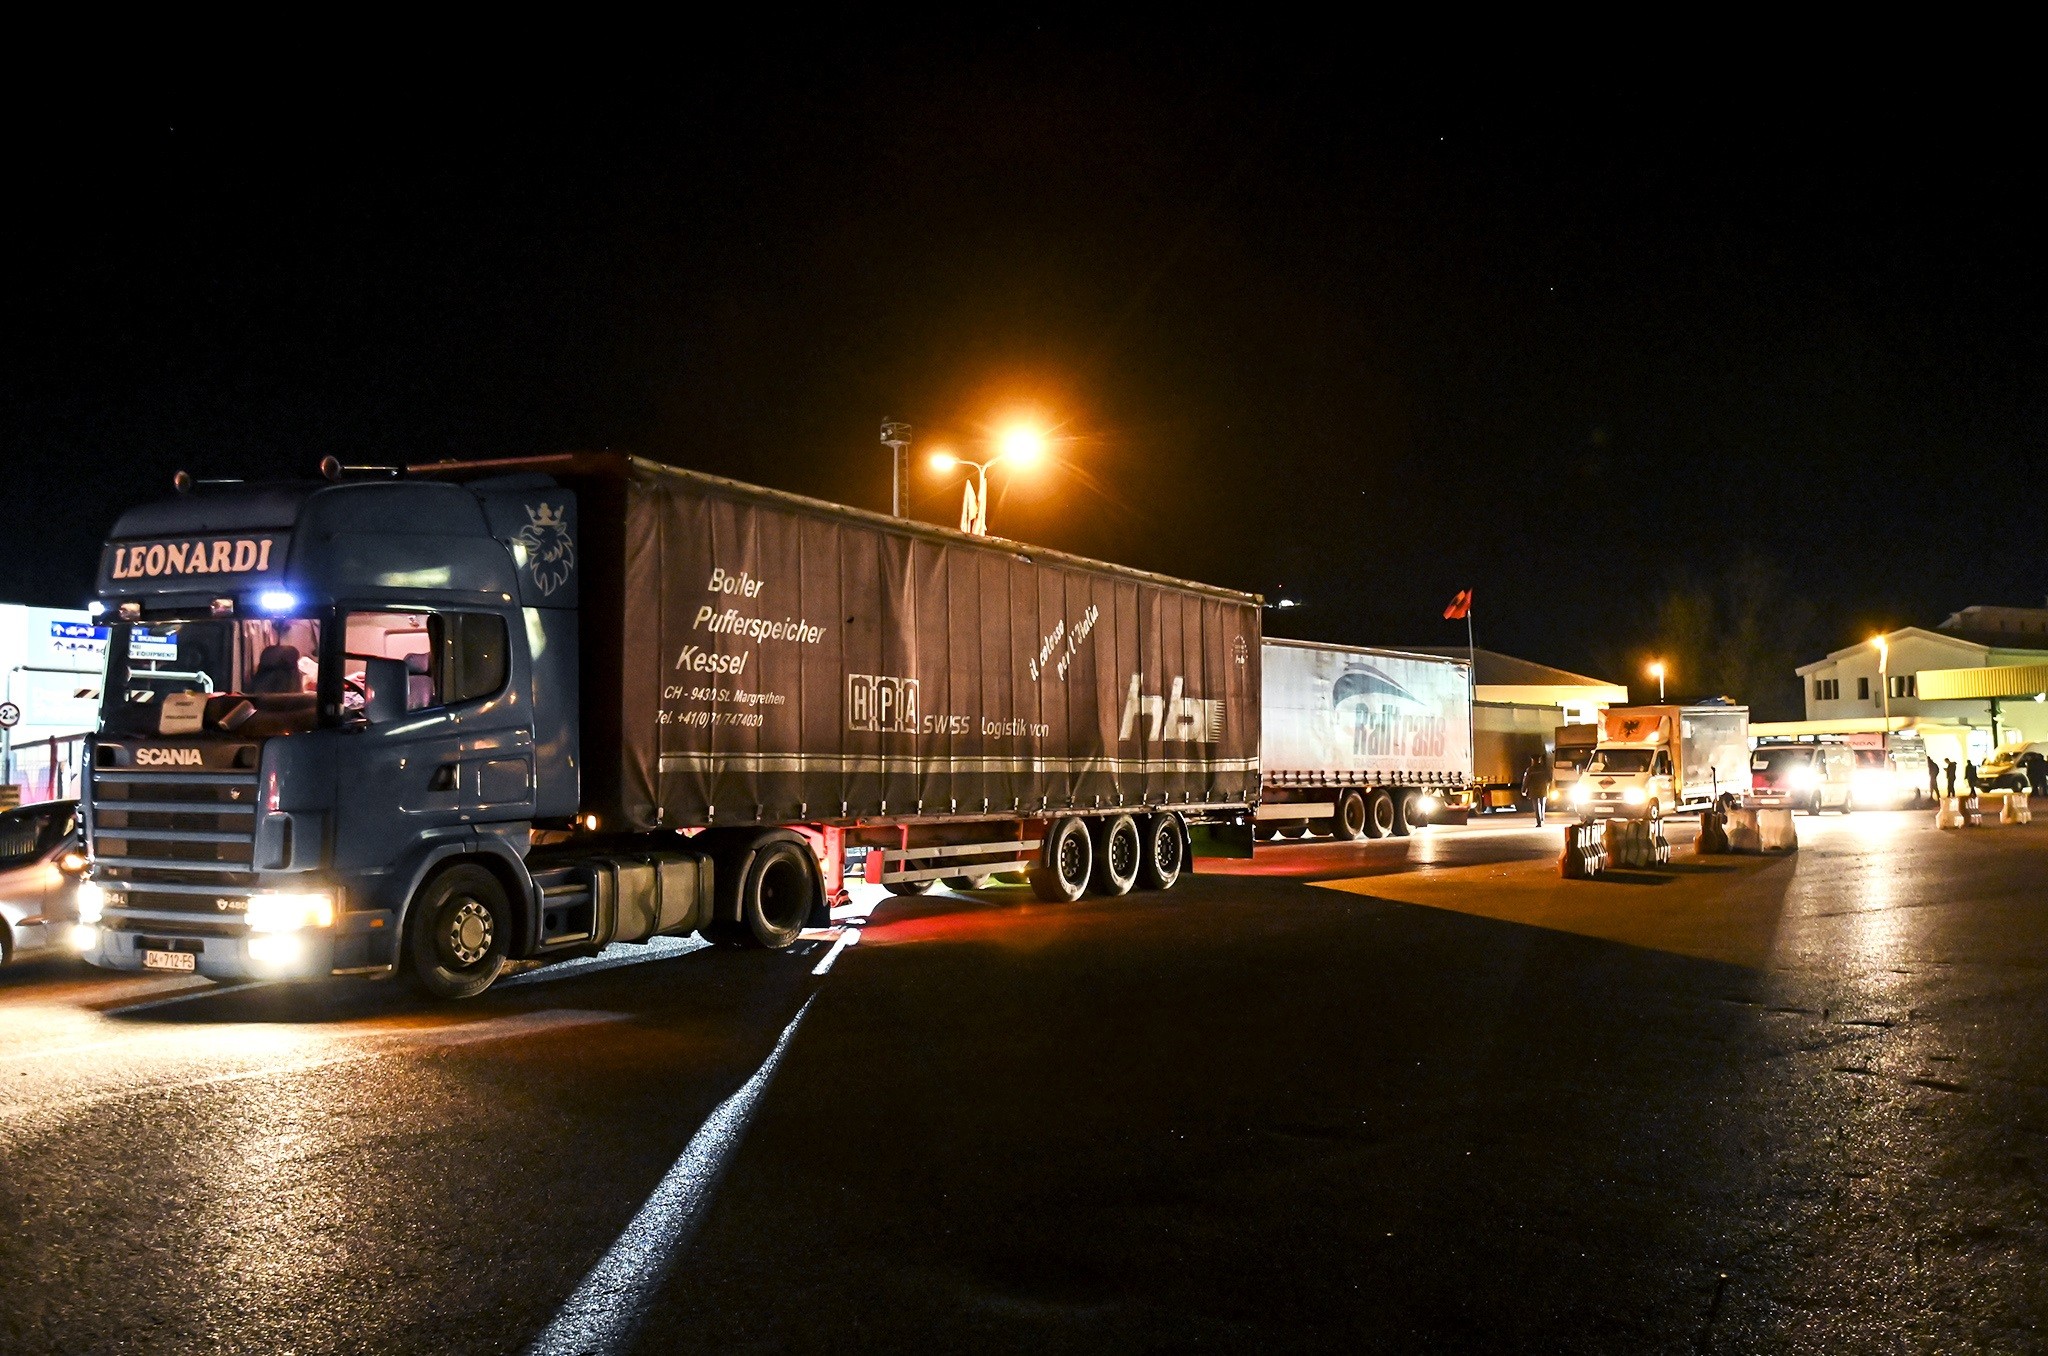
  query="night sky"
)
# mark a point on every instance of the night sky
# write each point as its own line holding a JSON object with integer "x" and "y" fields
{"x": 1302, "y": 327}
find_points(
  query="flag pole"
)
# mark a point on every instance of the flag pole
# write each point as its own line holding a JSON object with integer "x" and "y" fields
{"x": 1471, "y": 697}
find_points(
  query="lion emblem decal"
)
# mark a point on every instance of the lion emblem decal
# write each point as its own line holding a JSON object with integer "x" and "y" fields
{"x": 550, "y": 550}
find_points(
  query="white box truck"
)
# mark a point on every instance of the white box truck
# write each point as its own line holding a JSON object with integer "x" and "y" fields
{"x": 1652, "y": 760}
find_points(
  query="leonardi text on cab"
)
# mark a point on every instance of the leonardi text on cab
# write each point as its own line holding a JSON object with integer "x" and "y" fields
{"x": 219, "y": 555}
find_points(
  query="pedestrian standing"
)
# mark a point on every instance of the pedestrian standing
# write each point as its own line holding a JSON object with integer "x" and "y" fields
{"x": 2037, "y": 773}
{"x": 1950, "y": 765}
{"x": 1536, "y": 785}
{"x": 1933, "y": 779}
{"x": 1970, "y": 775}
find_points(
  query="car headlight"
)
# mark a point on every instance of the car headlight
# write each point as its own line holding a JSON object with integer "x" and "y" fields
{"x": 1800, "y": 779}
{"x": 1581, "y": 793}
{"x": 92, "y": 901}
{"x": 290, "y": 913}
{"x": 1635, "y": 795}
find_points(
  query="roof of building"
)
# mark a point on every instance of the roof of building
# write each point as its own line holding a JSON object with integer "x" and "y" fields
{"x": 1504, "y": 670}
{"x": 2006, "y": 628}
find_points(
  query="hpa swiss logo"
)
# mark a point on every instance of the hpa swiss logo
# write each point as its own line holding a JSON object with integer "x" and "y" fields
{"x": 550, "y": 550}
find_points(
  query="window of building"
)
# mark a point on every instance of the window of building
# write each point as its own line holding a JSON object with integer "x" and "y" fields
{"x": 1905, "y": 685}
{"x": 1862, "y": 689}
{"x": 1827, "y": 689}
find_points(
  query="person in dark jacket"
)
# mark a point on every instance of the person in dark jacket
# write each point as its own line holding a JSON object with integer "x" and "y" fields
{"x": 1951, "y": 766}
{"x": 2037, "y": 772}
{"x": 1536, "y": 785}
{"x": 1933, "y": 779}
{"x": 1970, "y": 775}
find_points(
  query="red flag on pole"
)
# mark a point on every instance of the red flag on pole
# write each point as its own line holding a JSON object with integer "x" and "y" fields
{"x": 1460, "y": 605}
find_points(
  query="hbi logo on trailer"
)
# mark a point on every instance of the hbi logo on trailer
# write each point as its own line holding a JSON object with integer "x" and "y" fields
{"x": 1171, "y": 718}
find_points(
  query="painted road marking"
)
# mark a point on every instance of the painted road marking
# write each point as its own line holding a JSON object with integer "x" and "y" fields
{"x": 384, "y": 1042}
{"x": 611, "y": 958}
{"x": 605, "y": 1311}
{"x": 210, "y": 991}
{"x": 848, "y": 937}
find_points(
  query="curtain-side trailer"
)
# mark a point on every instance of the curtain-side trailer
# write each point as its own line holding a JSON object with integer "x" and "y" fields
{"x": 1359, "y": 742}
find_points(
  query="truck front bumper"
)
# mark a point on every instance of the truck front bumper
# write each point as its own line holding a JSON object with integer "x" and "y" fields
{"x": 309, "y": 954}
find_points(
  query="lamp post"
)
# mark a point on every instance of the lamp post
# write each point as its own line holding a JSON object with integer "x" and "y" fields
{"x": 1884, "y": 687}
{"x": 1020, "y": 447}
{"x": 1657, "y": 672}
{"x": 896, "y": 437}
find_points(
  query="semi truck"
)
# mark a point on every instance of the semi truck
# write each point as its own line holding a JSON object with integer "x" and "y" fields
{"x": 1359, "y": 743}
{"x": 438, "y": 719}
{"x": 1652, "y": 760}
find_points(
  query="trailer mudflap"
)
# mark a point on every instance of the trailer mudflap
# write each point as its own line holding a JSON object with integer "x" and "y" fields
{"x": 1233, "y": 839}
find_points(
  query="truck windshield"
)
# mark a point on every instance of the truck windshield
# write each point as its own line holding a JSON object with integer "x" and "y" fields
{"x": 1625, "y": 761}
{"x": 210, "y": 674}
{"x": 1777, "y": 761}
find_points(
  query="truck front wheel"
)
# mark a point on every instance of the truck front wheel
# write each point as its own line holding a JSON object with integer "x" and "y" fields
{"x": 1061, "y": 876}
{"x": 457, "y": 932}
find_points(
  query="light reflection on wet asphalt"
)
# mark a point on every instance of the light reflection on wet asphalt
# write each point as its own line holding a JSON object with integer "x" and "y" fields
{"x": 1821, "y": 1076}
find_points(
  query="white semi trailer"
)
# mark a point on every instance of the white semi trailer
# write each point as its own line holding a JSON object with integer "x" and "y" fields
{"x": 1359, "y": 743}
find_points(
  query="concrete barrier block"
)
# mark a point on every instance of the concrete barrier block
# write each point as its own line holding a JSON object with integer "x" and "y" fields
{"x": 1948, "y": 814}
{"x": 2016, "y": 809}
{"x": 1776, "y": 831}
{"x": 1743, "y": 833}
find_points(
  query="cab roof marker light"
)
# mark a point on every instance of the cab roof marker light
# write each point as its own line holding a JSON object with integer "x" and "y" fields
{"x": 275, "y": 601}
{"x": 131, "y": 611}
{"x": 95, "y": 608}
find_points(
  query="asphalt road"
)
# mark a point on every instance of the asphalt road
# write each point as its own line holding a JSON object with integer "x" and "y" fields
{"x": 1397, "y": 1096}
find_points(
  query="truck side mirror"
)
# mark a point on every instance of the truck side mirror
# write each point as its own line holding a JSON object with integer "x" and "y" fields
{"x": 385, "y": 700}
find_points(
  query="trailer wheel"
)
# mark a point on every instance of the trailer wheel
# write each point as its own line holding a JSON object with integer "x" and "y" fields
{"x": 457, "y": 932}
{"x": 1159, "y": 865}
{"x": 1064, "y": 862}
{"x": 981, "y": 882}
{"x": 906, "y": 887}
{"x": 1348, "y": 824}
{"x": 1264, "y": 833}
{"x": 1379, "y": 814}
{"x": 1399, "y": 800}
{"x": 1119, "y": 853}
{"x": 1294, "y": 828}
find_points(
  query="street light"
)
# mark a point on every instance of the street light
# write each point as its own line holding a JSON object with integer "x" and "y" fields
{"x": 896, "y": 437}
{"x": 1657, "y": 672}
{"x": 1884, "y": 686}
{"x": 1019, "y": 447}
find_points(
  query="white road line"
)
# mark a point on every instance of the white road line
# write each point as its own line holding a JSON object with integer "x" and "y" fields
{"x": 604, "y": 1313}
{"x": 849, "y": 937}
{"x": 468, "y": 1033}
{"x": 611, "y": 958}
{"x": 210, "y": 991}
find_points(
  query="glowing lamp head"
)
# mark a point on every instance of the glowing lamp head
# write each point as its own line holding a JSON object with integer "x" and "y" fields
{"x": 942, "y": 461}
{"x": 1021, "y": 446}
{"x": 1657, "y": 669}
{"x": 277, "y": 601}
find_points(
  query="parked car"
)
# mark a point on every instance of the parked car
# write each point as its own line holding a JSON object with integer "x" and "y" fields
{"x": 1809, "y": 777}
{"x": 40, "y": 864}
{"x": 2008, "y": 769}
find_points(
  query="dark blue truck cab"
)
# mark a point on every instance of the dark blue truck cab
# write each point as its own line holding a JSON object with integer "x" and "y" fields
{"x": 320, "y": 696}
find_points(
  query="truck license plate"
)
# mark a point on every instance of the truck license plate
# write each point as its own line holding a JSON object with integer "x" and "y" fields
{"x": 183, "y": 961}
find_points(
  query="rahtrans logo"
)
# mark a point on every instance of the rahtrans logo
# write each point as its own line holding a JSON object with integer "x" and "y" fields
{"x": 1383, "y": 718}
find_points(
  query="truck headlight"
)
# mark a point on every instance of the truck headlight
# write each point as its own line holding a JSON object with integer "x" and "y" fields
{"x": 1801, "y": 779}
{"x": 290, "y": 913}
{"x": 1581, "y": 793}
{"x": 92, "y": 901}
{"x": 1634, "y": 795}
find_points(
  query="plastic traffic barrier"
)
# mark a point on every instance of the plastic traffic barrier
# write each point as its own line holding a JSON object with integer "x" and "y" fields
{"x": 2017, "y": 809}
{"x": 1585, "y": 851}
{"x": 1713, "y": 839}
{"x": 1948, "y": 813}
{"x": 1776, "y": 831}
{"x": 1743, "y": 834}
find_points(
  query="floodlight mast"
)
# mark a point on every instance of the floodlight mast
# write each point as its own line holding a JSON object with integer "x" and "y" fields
{"x": 896, "y": 437}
